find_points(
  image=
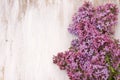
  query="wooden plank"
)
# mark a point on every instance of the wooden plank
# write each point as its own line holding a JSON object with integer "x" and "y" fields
{"x": 31, "y": 32}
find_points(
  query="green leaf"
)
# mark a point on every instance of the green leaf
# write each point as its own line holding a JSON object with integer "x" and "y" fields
{"x": 112, "y": 69}
{"x": 111, "y": 78}
{"x": 107, "y": 58}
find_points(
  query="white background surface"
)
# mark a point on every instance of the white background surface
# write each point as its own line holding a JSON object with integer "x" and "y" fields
{"x": 31, "y": 32}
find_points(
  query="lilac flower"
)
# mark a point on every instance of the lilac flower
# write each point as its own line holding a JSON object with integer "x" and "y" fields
{"x": 95, "y": 54}
{"x": 104, "y": 18}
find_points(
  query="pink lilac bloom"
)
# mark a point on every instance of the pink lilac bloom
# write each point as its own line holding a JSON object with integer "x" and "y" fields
{"x": 94, "y": 54}
{"x": 103, "y": 17}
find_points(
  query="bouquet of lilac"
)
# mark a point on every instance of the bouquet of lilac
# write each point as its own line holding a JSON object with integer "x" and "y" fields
{"x": 95, "y": 54}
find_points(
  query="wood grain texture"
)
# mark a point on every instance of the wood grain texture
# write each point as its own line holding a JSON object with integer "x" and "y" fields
{"x": 31, "y": 32}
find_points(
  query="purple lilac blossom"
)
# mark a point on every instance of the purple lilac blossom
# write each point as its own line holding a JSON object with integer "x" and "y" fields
{"x": 94, "y": 54}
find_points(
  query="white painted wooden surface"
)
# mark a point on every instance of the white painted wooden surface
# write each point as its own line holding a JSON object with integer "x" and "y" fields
{"x": 31, "y": 32}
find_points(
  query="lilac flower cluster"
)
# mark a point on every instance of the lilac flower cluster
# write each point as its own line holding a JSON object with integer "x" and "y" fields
{"x": 95, "y": 54}
{"x": 104, "y": 18}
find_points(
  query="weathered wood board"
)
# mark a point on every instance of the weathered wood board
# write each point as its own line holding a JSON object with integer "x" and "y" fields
{"x": 31, "y": 32}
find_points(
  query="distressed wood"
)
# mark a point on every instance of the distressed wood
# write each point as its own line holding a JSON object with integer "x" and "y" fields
{"x": 31, "y": 32}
